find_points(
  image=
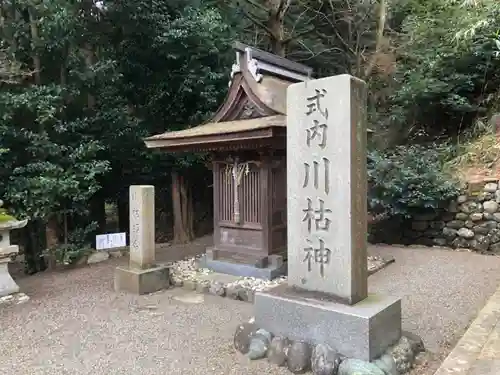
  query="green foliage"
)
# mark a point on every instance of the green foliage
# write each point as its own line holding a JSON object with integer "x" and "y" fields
{"x": 57, "y": 164}
{"x": 110, "y": 75}
{"x": 81, "y": 86}
{"x": 448, "y": 73}
{"x": 409, "y": 179}
{"x": 76, "y": 248}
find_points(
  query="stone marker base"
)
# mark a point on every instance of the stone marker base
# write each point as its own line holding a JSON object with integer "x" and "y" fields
{"x": 300, "y": 357}
{"x": 363, "y": 331}
{"x": 270, "y": 272}
{"x": 139, "y": 281}
{"x": 7, "y": 283}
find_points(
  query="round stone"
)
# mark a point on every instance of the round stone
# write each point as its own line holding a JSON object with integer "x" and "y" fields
{"x": 202, "y": 287}
{"x": 480, "y": 229}
{"x": 496, "y": 216}
{"x": 497, "y": 196}
{"x": 440, "y": 241}
{"x": 460, "y": 243}
{"x": 387, "y": 364}
{"x": 415, "y": 341}
{"x": 480, "y": 242}
{"x": 242, "y": 337}
{"x": 278, "y": 351}
{"x": 462, "y": 199}
{"x": 324, "y": 360}
{"x": 234, "y": 291}
{"x": 484, "y": 196}
{"x": 488, "y": 216}
{"x": 494, "y": 236}
{"x": 455, "y": 224}
{"x": 353, "y": 366}
{"x": 490, "y": 206}
{"x": 265, "y": 334}
{"x": 449, "y": 232}
{"x": 477, "y": 216}
{"x": 217, "y": 289}
{"x": 259, "y": 345}
{"x": 490, "y": 224}
{"x": 246, "y": 294}
{"x": 404, "y": 353}
{"x": 299, "y": 357}
{"x": 470, "y": 207}
{"x": 491, "y": 187}
{"x": 462, "y": 216}
{"x": 465, "y": 233}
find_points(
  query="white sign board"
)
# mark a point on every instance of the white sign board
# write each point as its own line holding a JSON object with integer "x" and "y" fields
{"x": 110, "y": 241}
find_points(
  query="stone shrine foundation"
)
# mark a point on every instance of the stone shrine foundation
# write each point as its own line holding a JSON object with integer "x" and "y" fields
{"x": 271, "y": 268}
{"x": 139, "y": 281}
{"x": 364, "y": 330}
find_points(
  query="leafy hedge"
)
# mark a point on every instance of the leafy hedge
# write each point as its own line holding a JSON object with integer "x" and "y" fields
{"x": 409, "y": 179}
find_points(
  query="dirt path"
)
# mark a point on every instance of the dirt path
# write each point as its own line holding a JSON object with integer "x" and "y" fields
{"x": 76, "y": 324}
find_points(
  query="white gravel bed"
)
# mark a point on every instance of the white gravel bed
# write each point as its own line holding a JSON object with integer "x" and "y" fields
{"x": 188, "y": 274}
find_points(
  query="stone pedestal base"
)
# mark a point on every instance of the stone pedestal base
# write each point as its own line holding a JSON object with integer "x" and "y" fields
{"x": 363, "y": 331}
{"x": 271, "y": 271}
{"x": 7, "y": 283}
{"x": 141, "y": 281}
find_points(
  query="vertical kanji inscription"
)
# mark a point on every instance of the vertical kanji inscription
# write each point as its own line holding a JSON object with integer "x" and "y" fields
{"x": 315, "y": 171}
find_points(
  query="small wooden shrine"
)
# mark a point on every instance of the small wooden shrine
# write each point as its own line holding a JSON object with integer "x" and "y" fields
{"x": 247, "y": 141}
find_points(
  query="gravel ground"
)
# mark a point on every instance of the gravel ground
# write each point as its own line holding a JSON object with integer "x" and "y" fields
{"x": 75, "y": 324}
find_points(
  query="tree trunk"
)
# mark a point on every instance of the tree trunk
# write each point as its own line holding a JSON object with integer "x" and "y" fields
{"x": 275, "y": 24}
{"x": 51, "y": 226}
{"x": 63, "y": 69}
{"x": 98, "y": 214}
{"x": 35, "y": 39}
{"x": 382, "y": 15}
{"x": 182, "y": 210}
{"x": 88, "y": 51}
{"x": 123, "y": 212}
{"x": 35, "y": 246}
{"x": 51, "y": 239}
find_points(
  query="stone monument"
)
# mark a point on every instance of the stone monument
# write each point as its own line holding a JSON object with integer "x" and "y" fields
{"x": 7, "y": 283}
{"x": 326, "y": 300}
{"x": 142, "y": 275}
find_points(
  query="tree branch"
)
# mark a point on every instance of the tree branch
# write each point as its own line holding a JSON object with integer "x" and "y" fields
{"x": 298, "y": 35}
{"x": 257, "y": 23}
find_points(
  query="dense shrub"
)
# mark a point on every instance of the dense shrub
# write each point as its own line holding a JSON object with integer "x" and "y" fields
{"x": 441, "y": 91}
{"x": 408, "y": 179}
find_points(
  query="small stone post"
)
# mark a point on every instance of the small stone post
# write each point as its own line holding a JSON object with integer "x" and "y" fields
{"x": 143, "y": 275}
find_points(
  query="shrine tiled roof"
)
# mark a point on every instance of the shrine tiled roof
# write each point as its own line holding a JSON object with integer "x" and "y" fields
{"x": 220, "y": 128}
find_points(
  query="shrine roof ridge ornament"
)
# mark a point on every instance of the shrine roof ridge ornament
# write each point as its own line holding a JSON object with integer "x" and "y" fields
{"x": 258, "y": 61}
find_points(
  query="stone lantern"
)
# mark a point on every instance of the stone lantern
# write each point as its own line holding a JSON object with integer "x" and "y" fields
{"x": 7, "y": 283}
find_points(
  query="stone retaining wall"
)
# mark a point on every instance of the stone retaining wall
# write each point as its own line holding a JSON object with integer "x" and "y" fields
{"x": 472, "y": 221}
